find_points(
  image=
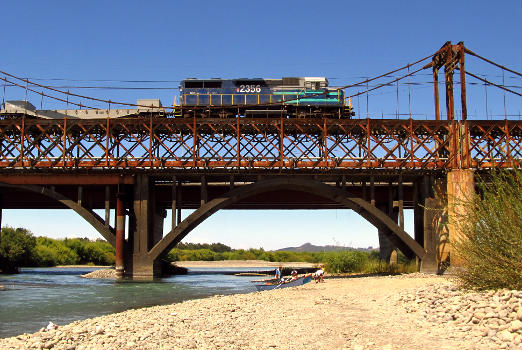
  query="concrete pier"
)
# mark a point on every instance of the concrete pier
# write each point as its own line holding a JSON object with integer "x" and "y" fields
{"x": 145, "y": 230}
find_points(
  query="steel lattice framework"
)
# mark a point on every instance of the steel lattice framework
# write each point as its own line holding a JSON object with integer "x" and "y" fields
{"x": 243, "y": 143}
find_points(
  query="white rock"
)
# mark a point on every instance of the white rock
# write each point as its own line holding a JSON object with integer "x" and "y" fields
{"x": 505, "y": 335}
{"x": 515, "y": 326}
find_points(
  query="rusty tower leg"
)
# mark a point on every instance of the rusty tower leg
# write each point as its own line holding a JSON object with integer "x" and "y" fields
{"x": 120, "y": 235}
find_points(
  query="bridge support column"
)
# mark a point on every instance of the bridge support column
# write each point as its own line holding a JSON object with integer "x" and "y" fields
{"x": 1, "y": 207}
{"x": 430, "y": 222}
{"x": 120, "y": 235}
{"x": 460, "y": 188}
{"x": 420, "y": 189}
{"x": 433, "y": 229}
{"x": 386, "y": 246}
{"x": 145, "y": 230}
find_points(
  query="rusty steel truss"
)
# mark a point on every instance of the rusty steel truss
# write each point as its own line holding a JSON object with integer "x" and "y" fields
{"x": 160, "y": 143}
{"x": 242, "y": 143}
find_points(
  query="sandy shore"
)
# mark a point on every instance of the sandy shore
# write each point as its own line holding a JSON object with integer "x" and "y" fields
{"x": 351, "y": 313}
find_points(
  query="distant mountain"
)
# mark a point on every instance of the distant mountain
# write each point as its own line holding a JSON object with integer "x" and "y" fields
{"x": 308, "y": 247}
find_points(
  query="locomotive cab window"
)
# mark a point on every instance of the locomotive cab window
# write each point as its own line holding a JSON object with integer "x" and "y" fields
{"x": 212, "y": 85}
{"x": 193, "y": 84}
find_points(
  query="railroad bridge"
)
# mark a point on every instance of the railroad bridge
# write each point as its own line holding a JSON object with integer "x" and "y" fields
{"x": 141, "y": 166}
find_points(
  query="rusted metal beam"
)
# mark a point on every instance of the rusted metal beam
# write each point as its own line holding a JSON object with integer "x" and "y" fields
{"x": 462, "y": 69}
{"x": 436, "y": 91}
{"x": 66, "y": 179}
{"x": 202, "y": 145}
{"x": 448, "y": 77}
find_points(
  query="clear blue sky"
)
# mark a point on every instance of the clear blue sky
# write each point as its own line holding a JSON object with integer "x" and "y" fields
{"x": 84, "y": 42}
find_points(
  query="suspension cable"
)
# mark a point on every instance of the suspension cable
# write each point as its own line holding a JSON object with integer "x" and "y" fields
{"x": 72, "y": 94}
{"x": 491, "y": 62}
{"x": 385, "y": 74}
{"x": 490, "y": 83}
{"x": 388, "y": 83}
{"x": 41, "y": 93}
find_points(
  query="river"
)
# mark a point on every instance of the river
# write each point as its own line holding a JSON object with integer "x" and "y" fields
{"x": 38, "y": 295}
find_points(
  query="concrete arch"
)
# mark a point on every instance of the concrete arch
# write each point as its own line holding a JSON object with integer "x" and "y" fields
{"x": 372, "y": 214}
{"x": 91, "y": 217}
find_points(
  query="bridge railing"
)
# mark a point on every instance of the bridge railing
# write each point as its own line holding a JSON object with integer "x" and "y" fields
{"x": 244, "y": 143}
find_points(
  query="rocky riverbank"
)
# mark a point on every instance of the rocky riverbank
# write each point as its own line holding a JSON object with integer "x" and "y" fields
{"x": 102, "y": 273}
{"x": 399, "y": 312}
{"x": 493, "y": 317}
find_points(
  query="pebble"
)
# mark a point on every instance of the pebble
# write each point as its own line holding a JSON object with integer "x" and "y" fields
{"x": 495, "y": 316}
{"x": 101, "y": 273}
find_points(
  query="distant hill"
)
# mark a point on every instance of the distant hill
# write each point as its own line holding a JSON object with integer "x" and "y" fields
{"x": 308, "y": 247}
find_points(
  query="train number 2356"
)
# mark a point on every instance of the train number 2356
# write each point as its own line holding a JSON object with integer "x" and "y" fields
{"x": 249, "y": 88}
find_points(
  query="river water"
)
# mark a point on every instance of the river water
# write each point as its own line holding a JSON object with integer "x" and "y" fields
{"x": 38, "y": 295}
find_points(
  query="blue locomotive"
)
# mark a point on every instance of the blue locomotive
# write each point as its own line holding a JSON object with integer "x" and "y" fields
{"x": 293, "y": 97}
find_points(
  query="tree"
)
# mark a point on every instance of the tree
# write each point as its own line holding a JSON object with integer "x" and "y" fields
{"x": 17, "y": 248}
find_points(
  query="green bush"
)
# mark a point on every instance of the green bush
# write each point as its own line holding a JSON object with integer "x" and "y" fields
{"x": 52, "y": 252}
{"x": 346, "y": 261}
{"x": 491, "y": 222}
{"x": 376, "y": 266}
{"x": 97, "y": 252}
{"x": 16, "y": 249}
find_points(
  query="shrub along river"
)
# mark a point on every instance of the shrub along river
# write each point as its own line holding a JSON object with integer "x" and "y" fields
{"x": 36, "y": 296}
